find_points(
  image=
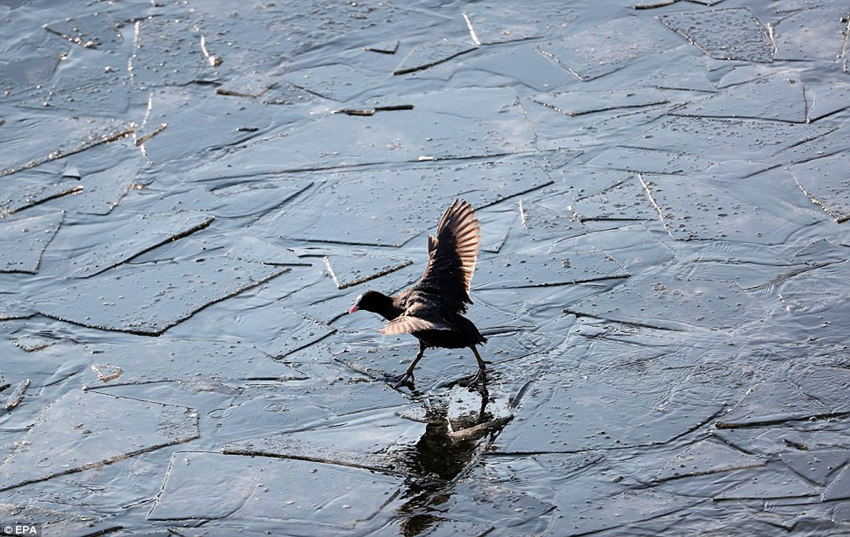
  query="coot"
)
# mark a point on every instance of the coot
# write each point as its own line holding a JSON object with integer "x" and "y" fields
{"x": 431, "y": 309}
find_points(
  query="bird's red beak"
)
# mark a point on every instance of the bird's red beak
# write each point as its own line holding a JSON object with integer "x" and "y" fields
{"x": 353, "y": 309}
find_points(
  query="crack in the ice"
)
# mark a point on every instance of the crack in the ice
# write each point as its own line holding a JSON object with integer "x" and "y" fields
{"x": 158, "y": 332}
{"x": 367, "y": 277}
{"x": 170, "y": 239}
{"x": 75, "y": 190}
{"x": 424, "y": 66}
{"x": 636, "y": 324}
{"x": 780, "y": 421}
{"x": 655, "y": 205}
{"x": 58, "y": 154}
{"x": 792, "y": 273}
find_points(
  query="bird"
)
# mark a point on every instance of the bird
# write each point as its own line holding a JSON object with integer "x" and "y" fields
{"x": 431, "y": 310}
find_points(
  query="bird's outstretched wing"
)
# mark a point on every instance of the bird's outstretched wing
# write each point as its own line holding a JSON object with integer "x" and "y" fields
{"x": 452, "y": 254}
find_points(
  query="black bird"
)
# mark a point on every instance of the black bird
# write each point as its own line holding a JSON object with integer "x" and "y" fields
{"x": 431, "y": 309}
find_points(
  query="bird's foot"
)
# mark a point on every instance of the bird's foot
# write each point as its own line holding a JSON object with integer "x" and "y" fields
{"x": 480, "y": 376}
{"x": 398, "y": 381}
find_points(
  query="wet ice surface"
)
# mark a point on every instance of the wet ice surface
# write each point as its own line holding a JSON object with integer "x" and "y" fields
{"x": 192, "y": 195}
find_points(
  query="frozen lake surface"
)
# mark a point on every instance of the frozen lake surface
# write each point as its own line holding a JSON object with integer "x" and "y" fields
{"x": 193, "y": 193}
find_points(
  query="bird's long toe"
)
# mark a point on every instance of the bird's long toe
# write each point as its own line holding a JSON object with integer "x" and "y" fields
{"x": 479, "y": 377}
{"x": 398, "y": 381}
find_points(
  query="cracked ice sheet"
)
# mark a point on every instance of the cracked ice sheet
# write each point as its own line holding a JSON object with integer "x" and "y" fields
{"x": 429, "y": 54}
{"x": 792, "y": 438}
{"x": 276, "y": 329}
{"x": 759, "y": 269}
{"x": 623, "y": 198}
{"x": 351, "y": 268}
{"x": 247, "y": 248}
{"x": 33, "y": 140}
{"x": 670, "y": 303}
{"x": 817, "y": 466}
{"x": 161, "y": 295}
{"x": 706, "y": 457}
{"x": 23, "y": 240}
{"x": 443, "y": 125}
{"x": 779, "y": 98}
{"x": 106, "y": 174}
{"x": 634, "y": 159}
{"x": 820, "y": 144}
{"x": 580, "y": 487}
{"x": 165, "y": 196}
{"x": 78, "y": 432}
{"x": 97, "y": 30}
{"x": 810, "y": 34}
{"x": 87, "y": 83}
{"x": 824, "y": 181}
{"x": 302, "y": 496}
{"x": 179, "y": 360}
{"x": 43, "y": 366}
{"x": 523, "y": 64}
{"x": 839, "y": 488}
{"x": 626, "y": 508}
{"x": 52, "y": 522}
{"x": 819, "y": 392}
{"x": 709, "y": 208}
{"x": 687, "y": 73}
{"x": 717, "y": 139}
{"x": 368, "y": 439}
{"x": 339, "y": 82}
{"x": 388, "y": 207}
{"x": 248, "y": 410}
{"x": 490, "y": 23}
{"x": 810, "y": 304}
{"x": 768, "y": 483}
{"x": 576, "y": 103}
{"x": 579, "y": 183}
{"x": 263, "y": 35}
{"x": 581, "y": 407}
{"x": 249, "y": 198}
{"x": 559, "y": 267}
{"x": 251, "y": 85}
{"x": 544, "y": 223}
{"x": 31, "y": 188}
{"x": 826, "y": 97}
{"x": 635, "y": 247}
{"x": 724, "y": 34}
{"x": 122, "y": 239}
{"x": 167, "y": 52}
{"x": 583, "y": 131}
{"x": 200, "y": 122}
{"x": 609, "y": 47}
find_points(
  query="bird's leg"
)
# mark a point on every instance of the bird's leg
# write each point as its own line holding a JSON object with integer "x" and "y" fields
{"x": 481, "y": 375}
{"x": 407, "y": 378}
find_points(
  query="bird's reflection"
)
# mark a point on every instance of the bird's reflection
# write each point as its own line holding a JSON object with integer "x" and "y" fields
{"x": 449, "y": 447}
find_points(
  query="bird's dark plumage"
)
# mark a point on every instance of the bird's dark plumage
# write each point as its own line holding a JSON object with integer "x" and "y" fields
{"x": 431, "y": 309}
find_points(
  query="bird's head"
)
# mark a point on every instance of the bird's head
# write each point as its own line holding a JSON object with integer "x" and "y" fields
{"x": 370, "y": 301}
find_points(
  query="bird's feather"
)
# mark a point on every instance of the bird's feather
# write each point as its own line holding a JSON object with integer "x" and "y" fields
{"x": 452, "y": 255}
{"x": 407, "y": 324}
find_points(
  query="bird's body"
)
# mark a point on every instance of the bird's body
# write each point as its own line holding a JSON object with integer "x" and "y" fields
{"x": 432, "y": 309}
